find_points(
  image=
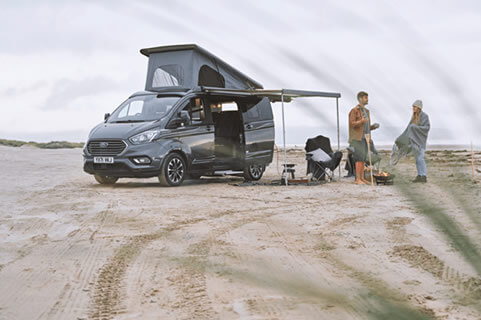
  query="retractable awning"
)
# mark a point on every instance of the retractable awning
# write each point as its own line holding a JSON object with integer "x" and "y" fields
{"x": 273, "y": 95}
{"x": 282, "y": 95}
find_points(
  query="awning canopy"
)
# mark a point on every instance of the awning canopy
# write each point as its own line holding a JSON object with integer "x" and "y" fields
{"x": 276, "y": 95}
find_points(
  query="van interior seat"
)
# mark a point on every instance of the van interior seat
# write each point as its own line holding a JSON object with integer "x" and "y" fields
{"x": 227, "y": 134}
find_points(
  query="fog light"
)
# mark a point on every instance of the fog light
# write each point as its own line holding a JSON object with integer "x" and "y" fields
{"x": 141, "y": 160}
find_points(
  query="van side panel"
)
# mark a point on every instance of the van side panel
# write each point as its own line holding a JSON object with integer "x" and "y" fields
{"x": 259, "y": 133}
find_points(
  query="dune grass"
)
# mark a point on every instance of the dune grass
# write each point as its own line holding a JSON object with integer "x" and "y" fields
{"x": 42, "y": 145}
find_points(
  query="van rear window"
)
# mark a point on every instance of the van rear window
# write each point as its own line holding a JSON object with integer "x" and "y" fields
{"x": 253, "y": 112}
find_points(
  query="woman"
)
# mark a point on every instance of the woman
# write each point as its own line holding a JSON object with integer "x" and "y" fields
{"x": 413, "y": 140}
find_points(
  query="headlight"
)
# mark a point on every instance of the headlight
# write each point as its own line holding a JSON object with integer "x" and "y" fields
{"x": 145, "y": 137}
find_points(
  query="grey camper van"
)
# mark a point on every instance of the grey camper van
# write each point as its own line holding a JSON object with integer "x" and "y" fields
{"x": 184, "y": 125}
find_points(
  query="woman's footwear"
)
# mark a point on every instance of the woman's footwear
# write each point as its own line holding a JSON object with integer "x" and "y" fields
{"x": 421, "y": 179}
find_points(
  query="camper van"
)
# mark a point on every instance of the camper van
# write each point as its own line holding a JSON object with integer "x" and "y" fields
{"x": 192, "y": 120}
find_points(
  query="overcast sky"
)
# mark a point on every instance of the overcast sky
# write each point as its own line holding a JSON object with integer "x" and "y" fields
{"x": 66, "y": 63}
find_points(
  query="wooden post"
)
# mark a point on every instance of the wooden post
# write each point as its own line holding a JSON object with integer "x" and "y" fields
{"x": 472, "y": 160}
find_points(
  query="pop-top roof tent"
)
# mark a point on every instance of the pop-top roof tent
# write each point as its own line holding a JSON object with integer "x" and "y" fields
{"x": 189, "y": 66}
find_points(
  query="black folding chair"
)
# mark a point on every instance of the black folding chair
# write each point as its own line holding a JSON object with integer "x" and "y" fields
{"x": 321, "y": 169}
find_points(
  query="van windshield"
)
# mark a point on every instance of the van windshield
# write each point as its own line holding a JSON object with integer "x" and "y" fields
{"x": 143, "y": 108}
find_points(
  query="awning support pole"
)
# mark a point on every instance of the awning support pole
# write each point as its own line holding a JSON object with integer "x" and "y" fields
{"x": 284, "y": 139}
{"x": 338, "y": 138}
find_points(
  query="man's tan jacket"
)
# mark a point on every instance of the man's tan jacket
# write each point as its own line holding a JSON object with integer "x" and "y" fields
{"x": 355, "y": 123}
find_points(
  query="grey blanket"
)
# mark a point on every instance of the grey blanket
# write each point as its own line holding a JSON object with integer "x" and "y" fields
{"x": 412, "y": 140}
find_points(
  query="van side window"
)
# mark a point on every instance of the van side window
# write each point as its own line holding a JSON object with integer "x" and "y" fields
{"x": 258, "y": 110}
{"x": 210, "y": 78}
{"x": 253, "y": 112}
{"x": 168, "y": 76}
{"x": 229, "y": 106}
{"x": 196, "y": 110}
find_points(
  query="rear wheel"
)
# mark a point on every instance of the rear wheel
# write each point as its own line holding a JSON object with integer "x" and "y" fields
{"x": 105, "y": 179}
{"x": 254, "y": 172}
{"x": 173, "y": 170}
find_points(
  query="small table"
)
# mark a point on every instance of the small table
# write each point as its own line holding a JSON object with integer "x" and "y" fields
{"x": 289, "y": 169}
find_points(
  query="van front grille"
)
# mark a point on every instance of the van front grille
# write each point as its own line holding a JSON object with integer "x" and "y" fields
{"x": 105, "y": 147}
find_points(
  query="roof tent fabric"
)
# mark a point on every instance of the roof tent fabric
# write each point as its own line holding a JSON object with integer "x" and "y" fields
{"x": 189, "y": 66}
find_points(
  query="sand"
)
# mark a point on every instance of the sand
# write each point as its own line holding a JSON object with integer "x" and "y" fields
{"x": 74, "y": 249}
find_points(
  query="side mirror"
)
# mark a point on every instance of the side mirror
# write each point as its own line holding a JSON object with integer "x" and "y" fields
{"x": 182, "y": 118}
{"x": 106, "y": 116}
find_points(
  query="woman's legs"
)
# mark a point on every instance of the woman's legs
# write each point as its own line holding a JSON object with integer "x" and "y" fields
{"x": 421, "y": 164}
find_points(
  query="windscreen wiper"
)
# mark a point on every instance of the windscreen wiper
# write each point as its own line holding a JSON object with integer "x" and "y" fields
{"x": 128, "y": 121}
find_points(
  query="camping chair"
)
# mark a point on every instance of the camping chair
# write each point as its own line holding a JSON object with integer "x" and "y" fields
{"x": 350, "y": 166}
{"x": 321, "y": 160}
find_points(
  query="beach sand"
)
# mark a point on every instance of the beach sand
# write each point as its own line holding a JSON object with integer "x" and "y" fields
{"x": 74, "y": 249}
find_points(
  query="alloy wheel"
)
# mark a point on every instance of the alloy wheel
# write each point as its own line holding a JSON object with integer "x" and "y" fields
{"x": 256, "y": 171}
{"x": 175, "y": 170}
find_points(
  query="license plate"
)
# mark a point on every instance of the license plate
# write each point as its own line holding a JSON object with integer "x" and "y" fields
{"x": 103, "y": 159}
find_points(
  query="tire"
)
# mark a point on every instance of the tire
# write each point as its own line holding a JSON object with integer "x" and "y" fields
{"x": 105, "y": 179}
{"x": 173, "y": 171}
{"x": 254, "y": 172}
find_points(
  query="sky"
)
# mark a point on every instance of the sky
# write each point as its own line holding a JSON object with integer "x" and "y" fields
{"x": 66, "y": 63}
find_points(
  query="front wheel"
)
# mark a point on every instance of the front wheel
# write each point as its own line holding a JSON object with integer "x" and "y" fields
{"x": 173, "y": 171}
{"x": 105, "y": 179}
{"x": 254, "y": 172}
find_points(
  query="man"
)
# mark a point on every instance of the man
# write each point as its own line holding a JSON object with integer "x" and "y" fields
{"x": 359, "y": 126}
{"x": 413, "y": 140}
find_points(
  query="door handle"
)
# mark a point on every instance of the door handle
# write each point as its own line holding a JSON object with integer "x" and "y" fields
{"x": 248, "y": 126}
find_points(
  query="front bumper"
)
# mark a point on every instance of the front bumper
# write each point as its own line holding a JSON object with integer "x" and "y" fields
{"x": 123, "y": 166}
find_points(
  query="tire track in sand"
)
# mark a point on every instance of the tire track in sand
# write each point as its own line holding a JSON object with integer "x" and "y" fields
{"x": 419, "y": 257}
{"x": 70, "y": 303}
{"x": 106, "y": 301}
{"x": 41, "y": 274}
{"x": 188, "y": 277}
